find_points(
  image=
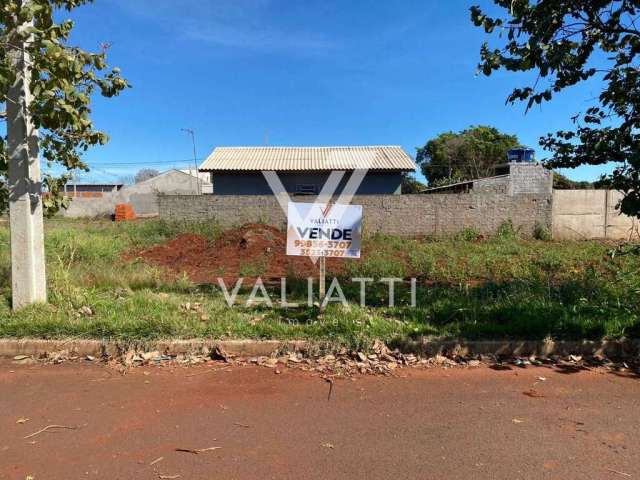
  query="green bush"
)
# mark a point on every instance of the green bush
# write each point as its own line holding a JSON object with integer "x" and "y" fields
{"x": 468, "y": 234}
{"x": 506, "y": 230}
{"x": 540, "y": 232}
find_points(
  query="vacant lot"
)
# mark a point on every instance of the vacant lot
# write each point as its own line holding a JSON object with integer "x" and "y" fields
{"x": 153, "y": 279}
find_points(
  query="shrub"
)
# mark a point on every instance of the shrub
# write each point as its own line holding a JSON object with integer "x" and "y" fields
{"x": 506, "y": 230}
{"x": 540, "y": 232}
{"x": 468, "y": 234}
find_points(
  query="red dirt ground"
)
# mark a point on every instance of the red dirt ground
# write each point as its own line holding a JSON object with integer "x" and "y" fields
{"x": 433, "y": 424}
{"x": 249, "y": 251}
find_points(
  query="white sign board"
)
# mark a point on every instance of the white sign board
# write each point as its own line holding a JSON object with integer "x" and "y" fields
{"x": 317, "y": 230}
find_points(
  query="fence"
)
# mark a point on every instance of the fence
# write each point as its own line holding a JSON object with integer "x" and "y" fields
{"x": 583, "y": 214}
{"x": 406, "y": 215}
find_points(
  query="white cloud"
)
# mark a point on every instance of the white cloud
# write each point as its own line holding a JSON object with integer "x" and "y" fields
{"x": 228, "y": 23}
{"x": 256, "y": 37}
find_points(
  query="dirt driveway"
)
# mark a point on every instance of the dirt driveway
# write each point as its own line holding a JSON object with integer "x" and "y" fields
{"x": 425, "y": 424}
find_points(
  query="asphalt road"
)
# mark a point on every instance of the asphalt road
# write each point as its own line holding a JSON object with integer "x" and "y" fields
{"x": 424, "y": 424}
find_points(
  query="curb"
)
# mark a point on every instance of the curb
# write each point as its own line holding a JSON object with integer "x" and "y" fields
{"x": 98, "y": 348}
{"x": 613, "y": 349}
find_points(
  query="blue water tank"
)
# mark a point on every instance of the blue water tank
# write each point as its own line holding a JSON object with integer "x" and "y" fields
{"x": 521, "y": 155}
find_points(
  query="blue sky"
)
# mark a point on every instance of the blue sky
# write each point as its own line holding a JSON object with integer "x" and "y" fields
{"x": 321, "y": 72}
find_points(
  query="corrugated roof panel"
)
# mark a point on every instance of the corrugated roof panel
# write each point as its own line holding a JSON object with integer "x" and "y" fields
{"x": 308, "y": 158}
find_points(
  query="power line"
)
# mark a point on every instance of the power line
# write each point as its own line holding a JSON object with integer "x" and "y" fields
{"x": 158, "y": 162}
{"x": 190, "y": 161}
{"x": 191, "y": 132}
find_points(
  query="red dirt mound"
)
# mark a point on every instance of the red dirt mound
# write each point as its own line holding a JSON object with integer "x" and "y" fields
{"x": 250, "y": 251}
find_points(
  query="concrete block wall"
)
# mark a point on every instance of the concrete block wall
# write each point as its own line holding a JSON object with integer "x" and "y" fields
{"x": 91, "y": 207}
{"x": 144, "y": 203}
{"x": 405, "y": 215}
{"x": 528, "y": 178}
{"x": 583, "y": 214}
{"x": 498, "y": 184}
{"x": 142, "y": 196}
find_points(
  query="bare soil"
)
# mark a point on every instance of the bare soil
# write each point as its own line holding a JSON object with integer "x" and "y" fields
{"x": 248, "y": 422}
{"x": 250, "y": 251}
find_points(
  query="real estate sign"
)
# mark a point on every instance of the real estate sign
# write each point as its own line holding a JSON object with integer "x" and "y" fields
{"x": 318, "y": 230}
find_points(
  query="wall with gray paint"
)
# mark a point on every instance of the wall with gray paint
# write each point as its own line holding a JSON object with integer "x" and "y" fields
{"x": 407, "y": 215}
{"x": 254, "y": 183}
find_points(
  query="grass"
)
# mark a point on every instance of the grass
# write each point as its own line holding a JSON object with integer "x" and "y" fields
{"x": 502, "y": 287}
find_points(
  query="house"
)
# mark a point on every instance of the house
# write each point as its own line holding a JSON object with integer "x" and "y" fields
{"x": 304, "y": 170}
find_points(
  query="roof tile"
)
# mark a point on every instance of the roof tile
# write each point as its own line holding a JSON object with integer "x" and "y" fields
{"x": 308, "y": 158}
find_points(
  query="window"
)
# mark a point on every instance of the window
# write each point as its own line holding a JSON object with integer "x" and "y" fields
{"x": 306, "y": 189}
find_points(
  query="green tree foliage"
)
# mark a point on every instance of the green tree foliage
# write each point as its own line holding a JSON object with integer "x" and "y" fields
{"x": 411, "y": 185}
{"x": 561, "y": 182}
{"x": 64, "y": 77}
{"x": 566, "y": 42}
{"x": 471, "y": 153}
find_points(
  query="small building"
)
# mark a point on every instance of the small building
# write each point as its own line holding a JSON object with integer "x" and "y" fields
{"x": 91, "y": 190}
{"x": 513, "y": 178}
{"x": 205, "y": 184}
{"x": 170, "y": 182}
{"x": 304, "y": 170}
{"x": 143, "y": 196}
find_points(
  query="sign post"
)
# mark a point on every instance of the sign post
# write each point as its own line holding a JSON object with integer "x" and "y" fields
{"x": 322, "y": 289}
{"x": 324, "y": 230}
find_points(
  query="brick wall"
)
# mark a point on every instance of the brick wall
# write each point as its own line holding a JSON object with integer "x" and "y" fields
{"x": 85, "y": 194}
{"x": 393, "y": 214}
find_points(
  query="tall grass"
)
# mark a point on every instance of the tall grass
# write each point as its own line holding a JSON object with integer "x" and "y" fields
{"x": 502, "y": 287}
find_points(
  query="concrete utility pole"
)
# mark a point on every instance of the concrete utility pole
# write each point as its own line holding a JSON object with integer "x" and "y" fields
{"x": 28, "y": 281}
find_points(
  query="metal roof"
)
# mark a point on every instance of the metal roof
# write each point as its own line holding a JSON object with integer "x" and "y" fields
{"x": 458, "y": 184}
{"x": 308, "y": 158}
